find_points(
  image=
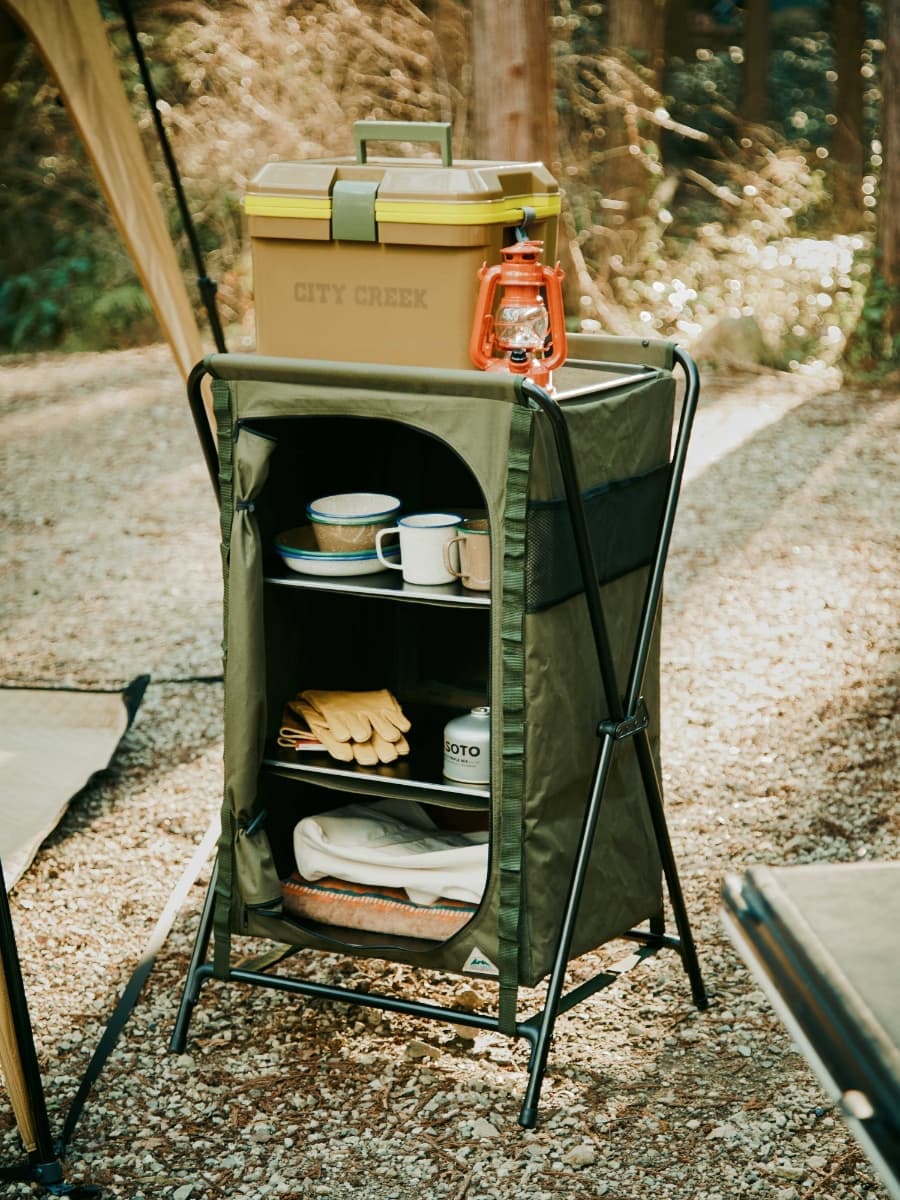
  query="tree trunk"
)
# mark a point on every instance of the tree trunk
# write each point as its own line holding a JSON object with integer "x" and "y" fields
{"x": 888, "y": 259}
{"x": 678, "y": 37}
{"x": 847, "y": 148}
{"x": 875, "y": 343}
{"x": 754, "y": 106}
{"x": 636, "y": 32}
{"x": 512, "y": 84}
{"x": 638, "y": 28}
{"x": 513, "y": 107}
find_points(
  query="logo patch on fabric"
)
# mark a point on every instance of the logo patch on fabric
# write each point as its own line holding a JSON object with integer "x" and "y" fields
{"x": 480, "y": 962}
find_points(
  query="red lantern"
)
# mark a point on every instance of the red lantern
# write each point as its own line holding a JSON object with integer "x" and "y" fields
{"x": 527, "y": 335}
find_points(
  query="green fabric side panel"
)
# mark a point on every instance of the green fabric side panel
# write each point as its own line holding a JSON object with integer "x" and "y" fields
{"x": 513, "y": 695}
{"x": 622, "y": 886}
{"x": 616, "y": 436}
{"x": 564, "y": 702}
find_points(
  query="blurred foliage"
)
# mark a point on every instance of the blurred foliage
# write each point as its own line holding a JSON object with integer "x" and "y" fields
{"x": 734, "y": 221}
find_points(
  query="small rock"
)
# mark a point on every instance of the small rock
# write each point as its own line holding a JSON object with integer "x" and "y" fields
{"x": 722, "y": 1131}
{"x": 581, "y": 1156}
{"x": 466, "y": 1033}
{"x": 183, "y": 1192}
{"x": 786, "y": 1171}
{"x": 417, "y": 1049}
{"x": 483, "y": 1129}
{"x": 469, "y": 999}
{"x": 817, "y": 1163}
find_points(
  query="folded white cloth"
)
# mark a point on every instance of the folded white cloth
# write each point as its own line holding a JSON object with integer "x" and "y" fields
{"x": 391, "y": 844}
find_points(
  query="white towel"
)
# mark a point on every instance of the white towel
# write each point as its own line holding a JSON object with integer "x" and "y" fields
{"x": 372, "y": 844}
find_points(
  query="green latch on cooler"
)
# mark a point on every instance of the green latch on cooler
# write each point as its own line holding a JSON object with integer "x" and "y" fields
{"x": 353, "y": 210}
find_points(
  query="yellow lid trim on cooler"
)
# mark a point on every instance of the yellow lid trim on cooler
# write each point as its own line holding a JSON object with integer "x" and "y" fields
{"x": 316, "y": 208}
{"x": 506, "y": 211}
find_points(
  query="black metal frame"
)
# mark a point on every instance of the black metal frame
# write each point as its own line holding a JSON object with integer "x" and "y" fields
{"x": 627, "y": 721}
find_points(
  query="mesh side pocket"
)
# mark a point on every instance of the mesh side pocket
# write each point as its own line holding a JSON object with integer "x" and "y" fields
{"x": 623, "y": 518}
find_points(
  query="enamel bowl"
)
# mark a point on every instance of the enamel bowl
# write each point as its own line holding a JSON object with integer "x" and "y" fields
{"x": 299, "y": 552}
{"x": 349, "y": 521}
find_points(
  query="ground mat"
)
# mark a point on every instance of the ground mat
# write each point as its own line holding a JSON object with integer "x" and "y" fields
{"x": 52, "y": 741}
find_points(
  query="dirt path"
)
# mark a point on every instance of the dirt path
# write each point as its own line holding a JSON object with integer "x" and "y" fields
{"x": 779, "y": 746}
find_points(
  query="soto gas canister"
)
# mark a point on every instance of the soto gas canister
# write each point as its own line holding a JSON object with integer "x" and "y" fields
{"x": 467, "y": 747}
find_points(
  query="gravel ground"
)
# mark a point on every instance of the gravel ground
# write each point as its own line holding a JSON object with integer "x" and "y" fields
{"x": 780, "y": 689}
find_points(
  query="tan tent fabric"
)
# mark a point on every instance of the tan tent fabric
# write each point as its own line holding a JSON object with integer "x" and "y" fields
{"x": 11, "y": 1067}
{"x": 71, "y": 38}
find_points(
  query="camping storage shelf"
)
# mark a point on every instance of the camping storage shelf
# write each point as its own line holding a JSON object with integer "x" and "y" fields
{"x": 578, "y": 487}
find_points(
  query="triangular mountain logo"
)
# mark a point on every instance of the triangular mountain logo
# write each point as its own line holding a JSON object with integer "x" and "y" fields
{"x": 480, "y": 963}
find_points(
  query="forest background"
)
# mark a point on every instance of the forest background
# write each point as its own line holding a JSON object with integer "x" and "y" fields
{"x": 729, "y": 173}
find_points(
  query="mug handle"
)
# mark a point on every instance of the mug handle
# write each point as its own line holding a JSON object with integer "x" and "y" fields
{"x": 395, "y": 566}
{"x": 457, "y": 574}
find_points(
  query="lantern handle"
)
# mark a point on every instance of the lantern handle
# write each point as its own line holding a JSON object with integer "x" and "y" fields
{"x": 521, "y": 230}
{"x": 553, "y": 277}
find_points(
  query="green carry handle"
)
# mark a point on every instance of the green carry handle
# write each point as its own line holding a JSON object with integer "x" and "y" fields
{"x": 403, "y": 131}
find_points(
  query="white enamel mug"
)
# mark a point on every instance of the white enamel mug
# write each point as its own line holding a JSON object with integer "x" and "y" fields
{"x": 422, "y": 540}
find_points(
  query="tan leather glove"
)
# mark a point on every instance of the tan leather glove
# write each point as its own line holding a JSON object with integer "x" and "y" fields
{"x": 383, "y": 750}
{"x": 355, "y": 716}
{"x": 341, "y": 750}
{"x": 369, "y": 753}
{"x": 293, "y": 731}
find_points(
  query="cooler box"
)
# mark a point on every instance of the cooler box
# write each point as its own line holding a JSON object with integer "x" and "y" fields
{"x": 376, "y": 260}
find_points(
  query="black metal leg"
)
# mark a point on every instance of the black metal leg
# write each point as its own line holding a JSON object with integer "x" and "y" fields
{"x": 195, "y": 978}
{"x": 538, "y": 1063}
{"x": 670, "y": 870}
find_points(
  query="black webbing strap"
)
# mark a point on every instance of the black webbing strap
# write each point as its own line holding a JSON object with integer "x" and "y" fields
{"x": 225, "y": 874}
{"x": 133, "y": 989}
{"x": 509, "y": 912}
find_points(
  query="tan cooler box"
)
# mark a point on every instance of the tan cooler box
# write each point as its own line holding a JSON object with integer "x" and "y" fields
{"x": 377, "y": 260}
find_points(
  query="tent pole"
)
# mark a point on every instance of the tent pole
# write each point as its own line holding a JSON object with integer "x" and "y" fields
{"x": 207, "y": 286}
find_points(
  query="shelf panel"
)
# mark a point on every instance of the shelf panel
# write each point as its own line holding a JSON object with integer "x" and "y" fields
{"x": 402, "y": 779}
{"x": 385, "y": 585}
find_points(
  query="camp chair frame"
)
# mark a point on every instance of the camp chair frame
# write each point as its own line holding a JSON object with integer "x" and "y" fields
{"x": 627, "y": 723}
